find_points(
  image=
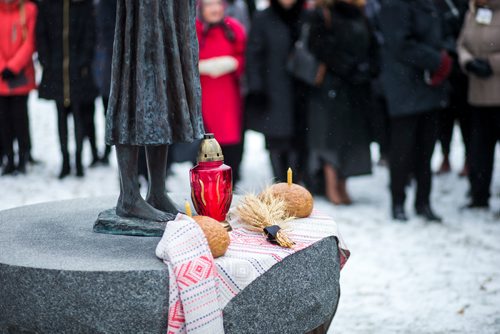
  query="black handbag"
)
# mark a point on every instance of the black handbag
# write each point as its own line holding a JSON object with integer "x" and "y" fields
{"x": 302, "y": 64}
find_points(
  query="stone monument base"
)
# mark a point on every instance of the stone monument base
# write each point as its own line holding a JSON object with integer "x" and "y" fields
{"x": 58, "y": 276}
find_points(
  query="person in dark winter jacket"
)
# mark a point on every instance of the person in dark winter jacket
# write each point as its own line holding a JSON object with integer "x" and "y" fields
{"x": 105, "y": 13}
{"x": 273, "y": 99}
{"x": 339, "y": 139}
{"x": 66, "y": 42}
{"x": 452, "y": 14}
{"x": 17, "y": 79}
{"x": 415, "y": 68}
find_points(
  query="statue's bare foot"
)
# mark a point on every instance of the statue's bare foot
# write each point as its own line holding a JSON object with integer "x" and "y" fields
{"x": 140, "y": 209}
{"x": 162, "y": 202}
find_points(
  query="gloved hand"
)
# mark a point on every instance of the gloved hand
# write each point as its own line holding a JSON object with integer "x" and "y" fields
{"x": 258, "y": 101}
{"x": 443, "y": 71}
{"x": 480, "y": 68}
{"x": 7, "y": 74}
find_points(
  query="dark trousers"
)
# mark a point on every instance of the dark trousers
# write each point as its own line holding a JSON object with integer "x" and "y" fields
{"x": 380, "y": 125}
{"x": 15, "y": 126}
{"x": 412, "y": 144}
{"x": 459, "y": 110}
{"x": 232, "y": 158}
{"x": 485, "y": 132}
{"x": 283, "y": 155}
{"x": 88, "y": 113}
{"x": 79, "y": 126}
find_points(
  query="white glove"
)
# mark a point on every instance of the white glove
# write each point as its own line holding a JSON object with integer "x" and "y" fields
{"x": 218, "y": 66}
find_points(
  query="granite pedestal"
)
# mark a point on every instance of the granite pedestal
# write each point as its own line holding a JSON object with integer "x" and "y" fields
{"x": 57, "y": 276}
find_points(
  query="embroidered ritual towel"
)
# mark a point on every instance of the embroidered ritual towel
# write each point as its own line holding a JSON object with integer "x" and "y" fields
{"x": 193, "y": 294}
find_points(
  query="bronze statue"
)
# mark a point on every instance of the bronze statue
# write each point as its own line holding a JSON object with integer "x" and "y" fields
{"x": 155, "y": 97}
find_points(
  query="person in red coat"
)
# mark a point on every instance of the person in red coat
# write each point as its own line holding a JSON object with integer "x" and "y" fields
{"x": 222, "y": 43}
{"x": 17, "y": 78}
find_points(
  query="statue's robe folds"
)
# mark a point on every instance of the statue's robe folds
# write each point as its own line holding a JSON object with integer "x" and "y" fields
{"x": 155, "y": 94}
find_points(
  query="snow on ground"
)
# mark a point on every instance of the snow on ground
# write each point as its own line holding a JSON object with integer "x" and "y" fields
{"x": 401, "y": 278}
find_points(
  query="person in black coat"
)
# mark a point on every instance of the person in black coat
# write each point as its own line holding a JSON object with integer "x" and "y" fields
{"x": 415, "y": 68}
{"x": 339, "y": 135}
{"x": 452, "y": 14}
{"x": 273, "y": 100}
{"x": 65, "y": 42}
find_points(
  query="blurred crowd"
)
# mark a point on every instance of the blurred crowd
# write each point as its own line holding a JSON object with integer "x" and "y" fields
{"x": 321, "y": 80}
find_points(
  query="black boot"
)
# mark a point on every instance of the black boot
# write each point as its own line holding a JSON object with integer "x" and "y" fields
{"x": 10, "y": 167}
{"x": 23, "y": 160}
{"x": 425, "y": 211}
{"x": 398, "y": 213}
{"x": 478, "y": 204}
{"x": 105, "y": 157}
{"x": 65, "y": 169}
{"x": 79, "y": 167}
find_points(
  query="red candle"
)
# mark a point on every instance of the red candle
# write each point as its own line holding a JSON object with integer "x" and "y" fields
{"x": 211, "y": 181}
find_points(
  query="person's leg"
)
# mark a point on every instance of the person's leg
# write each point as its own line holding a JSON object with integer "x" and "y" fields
{"x": 483, "y": 143}
{"x": 88, "y": 113}
{"x": 232, "y": 159}
{"x": 107, "y": 151}
{"x": 21, "y": 129}
{"x": 157, "y": 197}
{"x": 7, "y": 135}
{"x": 332, "y": 184}
{"x": 79, "y": 122}
{"x": 446, "y": 119}
{"x": 403, "y": 141}
{"x": 426, "y": 140}
{"x": 130, "y": 203}
{"x": 427, "y": 132}
{"x": 62, "y": 126}
{"x": 346, "y": 198}
{"x": 279, "y": 164}
{"x": 380, "y": 122}
{"x": 464, "y": 117}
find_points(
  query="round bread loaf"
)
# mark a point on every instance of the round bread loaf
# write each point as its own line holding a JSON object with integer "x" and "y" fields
{"x": 299, "y": 201}
{"x": 216, "y": 234}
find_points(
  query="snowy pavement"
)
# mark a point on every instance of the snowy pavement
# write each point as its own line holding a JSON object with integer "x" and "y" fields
{"x": 401, "y": 278}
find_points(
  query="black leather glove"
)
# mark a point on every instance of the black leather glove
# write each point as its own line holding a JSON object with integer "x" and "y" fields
{"x": 258, "y": 101}
{"x": 480, "y": 68}
{"x": 7, "y": 74}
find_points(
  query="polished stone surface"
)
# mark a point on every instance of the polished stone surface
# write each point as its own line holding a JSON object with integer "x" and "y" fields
{"x": 58, "y": 276}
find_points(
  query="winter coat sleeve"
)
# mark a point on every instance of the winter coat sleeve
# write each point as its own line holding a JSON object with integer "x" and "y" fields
{"x": 25, "y": 53}
{"x": 42, "y": 38}
{"x": 255, "y": 55}
{"x": 464, "y": 55}
{"x": 397, "y": 24}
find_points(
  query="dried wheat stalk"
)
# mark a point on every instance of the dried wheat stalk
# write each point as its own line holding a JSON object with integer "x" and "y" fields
{"x": 259, "y": 212}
